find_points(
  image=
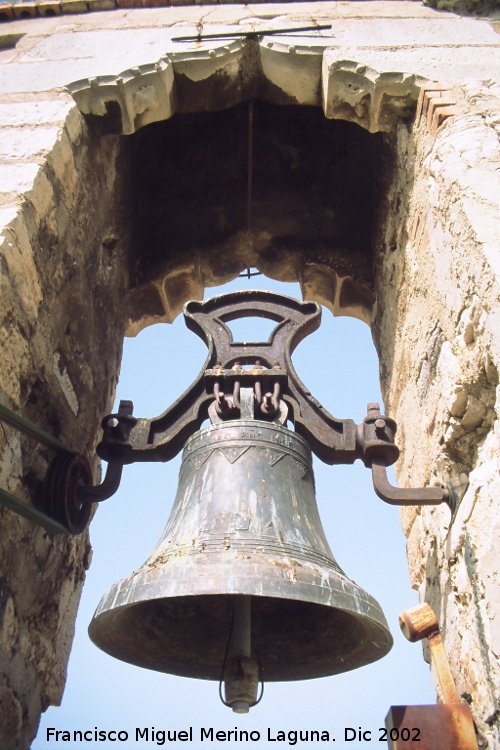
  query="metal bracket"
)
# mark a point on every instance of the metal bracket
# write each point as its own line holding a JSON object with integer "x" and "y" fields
{"x": 278, "y": 394}
{"x": 266, "y": 367}
{"x": 380, "y": 451}
{"x": 269, "y": 366}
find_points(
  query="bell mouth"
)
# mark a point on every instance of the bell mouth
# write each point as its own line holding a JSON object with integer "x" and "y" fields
{"x": 291, "y": 640}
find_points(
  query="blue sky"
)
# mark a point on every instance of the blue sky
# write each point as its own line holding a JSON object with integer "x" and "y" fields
{"x": 339, "y": 365}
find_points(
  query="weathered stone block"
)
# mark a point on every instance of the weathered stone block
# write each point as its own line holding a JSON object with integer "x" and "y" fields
{"x": 26, "y": 143}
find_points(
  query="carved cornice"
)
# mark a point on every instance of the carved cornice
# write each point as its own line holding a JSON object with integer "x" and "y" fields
{"x": 363, "y": 86}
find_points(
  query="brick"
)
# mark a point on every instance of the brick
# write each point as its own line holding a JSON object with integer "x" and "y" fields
{"x": 6, "y": 12}
{"x": 441, "y": 113}
{"x": 102, "y": 4}
{"x": 435, "y": 102}
{"x": 74, "y": 6}
{"x": 49, "y": 8}
{"x": 423, "y": 98}
{"x": 25, "y": 10}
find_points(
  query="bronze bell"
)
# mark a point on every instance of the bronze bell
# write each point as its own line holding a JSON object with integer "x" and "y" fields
{"x": 243, "y": 583}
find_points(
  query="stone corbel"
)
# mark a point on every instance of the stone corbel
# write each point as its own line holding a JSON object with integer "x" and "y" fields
{"x": 143, "y": 95}
{"x": 291, "y": 72}
{"x": 376, "y": 100}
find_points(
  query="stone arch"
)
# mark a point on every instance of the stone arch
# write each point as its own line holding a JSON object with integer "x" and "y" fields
{"x": 222, "y": 77}
{"x": 197, "y": 223}
{"x": 435, "y": 320}
{"x": 73, "y": 289}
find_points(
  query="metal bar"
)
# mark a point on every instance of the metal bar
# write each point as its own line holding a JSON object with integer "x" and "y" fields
{"x": 31, "y": 513}
{"x": 248, "y": 274}
{"x": 250, "y": 34}
{"x": 250, "y": 167}
{"x": 28, "y": 428}
{"x": 107, "y": 487}
{"x": 404, "y": 495}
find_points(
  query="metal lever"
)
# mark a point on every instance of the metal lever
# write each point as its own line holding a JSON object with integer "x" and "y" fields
{"x": 445, "y": 726}
{"x": 421, "y": 622}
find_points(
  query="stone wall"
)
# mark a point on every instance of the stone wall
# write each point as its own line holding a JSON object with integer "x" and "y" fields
{"x": 69, "y": 284}
{"x": 437, "y": 327}
{"x": 61, "y": 328}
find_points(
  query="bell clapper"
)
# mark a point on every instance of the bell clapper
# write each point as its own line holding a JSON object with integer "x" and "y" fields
{"x": 241, "y": 672}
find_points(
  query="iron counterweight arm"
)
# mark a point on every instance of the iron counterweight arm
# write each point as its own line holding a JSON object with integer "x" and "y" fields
{"x": 159, "y": 439}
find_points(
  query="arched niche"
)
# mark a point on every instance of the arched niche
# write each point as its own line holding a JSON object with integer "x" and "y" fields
{"x": 300, "y": 202}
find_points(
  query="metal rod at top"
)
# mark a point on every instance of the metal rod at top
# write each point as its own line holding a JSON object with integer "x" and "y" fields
{"x": 250, "y": 164}
{"x": 250, "y": 34}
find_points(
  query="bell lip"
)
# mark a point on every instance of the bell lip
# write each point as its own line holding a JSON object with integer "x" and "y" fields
{"x": 276, "y": 576}
{"x": 369, "y": 613}
{"x": 117, "y": 595}
{"x": 380, "y": 639}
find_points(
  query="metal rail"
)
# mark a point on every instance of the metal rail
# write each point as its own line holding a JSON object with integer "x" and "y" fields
{"x": 44, "y": 438}
{"x": 28, "y": 428}
{"x": 31, "y": 513}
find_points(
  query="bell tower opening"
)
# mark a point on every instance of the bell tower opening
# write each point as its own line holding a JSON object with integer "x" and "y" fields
{"x": 343, "y": 501}
{"x": 405, "y": 241}
{"x": 277, "y": 188}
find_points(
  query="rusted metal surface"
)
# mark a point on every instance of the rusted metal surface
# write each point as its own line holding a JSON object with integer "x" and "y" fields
{"x": 59, "y": 505}
{"x": 440, "y": 727}
{"x": 448, "y": 726}
{"x": 252, "y": 34}
{"x": 278, "y": 395}
{"x": 333, "y": 440}
{"x": 265, "y": 367}
{"x": 404, "y": 495}
{"x": 67, "y": 476}
{"x": 244, "y": 523}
